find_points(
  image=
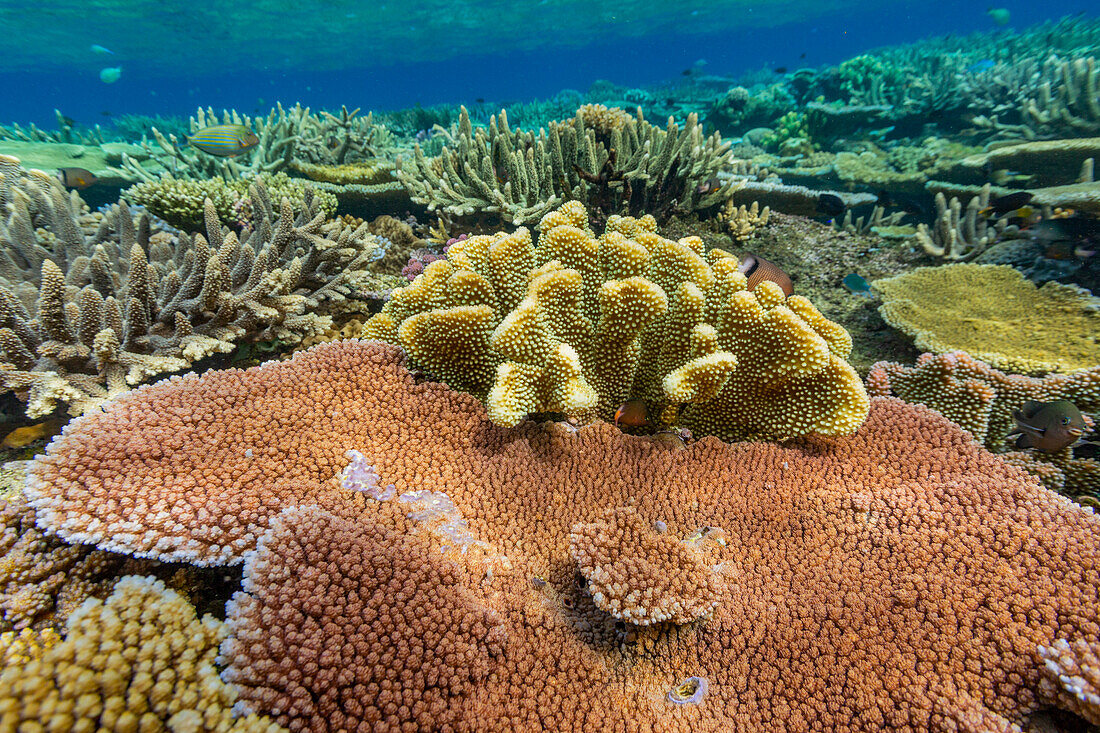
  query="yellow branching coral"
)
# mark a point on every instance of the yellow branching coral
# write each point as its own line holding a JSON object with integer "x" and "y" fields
{"x": 743, "y": 221}
{"x": 141, "y": 660}
{"x": 993, "y": 313}
{"x": 578, "y": 324}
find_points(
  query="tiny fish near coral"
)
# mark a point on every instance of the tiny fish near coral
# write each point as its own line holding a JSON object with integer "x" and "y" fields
{"x": 78, "y": 178}
{"x": 110, "y": 74}
{"x": 224, "y": 140}
{"x": 758, "y": 270}
{"x": 1048, "y": 426}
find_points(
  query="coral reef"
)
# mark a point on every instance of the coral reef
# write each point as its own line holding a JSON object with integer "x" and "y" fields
{"x": 639, "y": 574}
{"x": 42, "y": 580}
{"x": 578, "y": 325}
{"x": 900, "y": 578}
{"x": 286, "y": 136}
{"x": 85, "y": 316}
{"x": 982, "y": 399}
{"x": 140, "y": 660}
{"x": 742, "y": 221}
{"x": 443, "y": 654}
{"x": 518, "y": 176}
{"x": 959, "y": 236}
{"x": 181, "y": 201}
{"x": 993, "y": 313}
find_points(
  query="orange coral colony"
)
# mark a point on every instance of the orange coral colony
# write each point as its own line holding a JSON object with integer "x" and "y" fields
{"x": 902, "y": 578}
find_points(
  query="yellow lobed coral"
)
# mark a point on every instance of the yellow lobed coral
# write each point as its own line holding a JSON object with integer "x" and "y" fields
{"x": 993, "y": 313}
{"x": 578, "y": 324}
{"x": 140, "y": 660}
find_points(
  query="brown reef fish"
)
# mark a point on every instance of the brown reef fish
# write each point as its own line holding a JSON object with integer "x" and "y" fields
{"x": 1048, "y": 426}
{"x": 632, "y": 414}
{"x": 78, "y": 178}
{"x": 758, "y": 269}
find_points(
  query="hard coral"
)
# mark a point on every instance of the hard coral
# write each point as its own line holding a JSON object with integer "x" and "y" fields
{"x": 642, "y": 575}
{"x": 85, "y": 316}
{"x": 982, "y": 400}
{"x": 615, "y": 165}
{"x": 362, "y": 582}
{"x": 903, "y": 578}
{"x": 141, "y": 660}
{"x": 995, "y": 314}
{"x": 579, "y": 324}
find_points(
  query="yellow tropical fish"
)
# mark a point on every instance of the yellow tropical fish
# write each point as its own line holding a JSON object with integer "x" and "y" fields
{"x": 224, "y": 140}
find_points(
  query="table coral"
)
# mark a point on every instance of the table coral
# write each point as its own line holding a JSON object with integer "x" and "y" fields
{"x": 140, "y": 660}
{"x": 995, "y": 314}
{"x": 640, "y": 574}
{"x": 903, "y": 578}
{"x": 982, "y": 400}
{"x": 577, "y": 324}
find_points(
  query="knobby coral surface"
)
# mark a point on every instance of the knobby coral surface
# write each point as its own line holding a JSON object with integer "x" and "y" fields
{"x": 982, "y": 399}
{"x": 903, "y": 578}
{"x": 140, "y": 660}
{"x": 577, "y": 324}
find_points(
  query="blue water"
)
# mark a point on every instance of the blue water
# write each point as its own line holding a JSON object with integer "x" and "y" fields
{"x": 469, "y": 71}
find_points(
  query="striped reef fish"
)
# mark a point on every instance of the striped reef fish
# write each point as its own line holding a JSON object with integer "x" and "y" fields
{"x": 224, "y": 140}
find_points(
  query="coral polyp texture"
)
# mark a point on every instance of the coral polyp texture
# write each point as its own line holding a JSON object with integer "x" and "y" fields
{"x": 140, "y": 660}
{"x": 85, "y": 316}
{"x": 995, "y": 314}
{"x": 982, "y": 399}
{"x": 577, "y": 324}
{"x": 615, "y": 162}
{"x": 638, "y": 573}
{"x": 901, "y": 578}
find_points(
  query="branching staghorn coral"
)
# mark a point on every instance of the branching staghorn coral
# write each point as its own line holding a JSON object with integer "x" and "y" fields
{"x": 82, "y": 317}
{"x": 614, "y": 163}
{"x": 960, "y": 236}
{"x": 66, "y": 132}
{"x": 742, "y": 222}
{"x": 285, "y": 135}
{"x": 579, "y": 325}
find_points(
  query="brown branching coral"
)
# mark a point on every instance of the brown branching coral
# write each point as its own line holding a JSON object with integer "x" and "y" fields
{"x": 42, "y": 579}
{"x": 577, "y": 324}
{"x": 83, "y": 317}
{"x": 889, "y": 580}
{"x": 140, "y": 660}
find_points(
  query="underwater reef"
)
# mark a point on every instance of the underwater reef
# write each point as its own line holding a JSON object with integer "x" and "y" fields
{"x": 754, "y": 402}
